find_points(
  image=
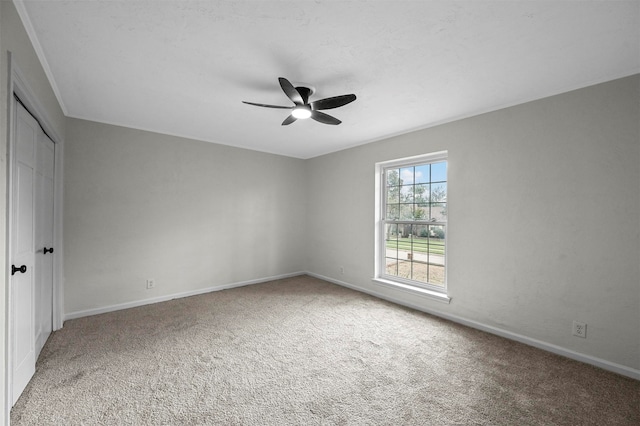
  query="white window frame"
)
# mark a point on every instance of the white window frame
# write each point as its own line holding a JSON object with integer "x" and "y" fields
{"x": 437, "y": 292}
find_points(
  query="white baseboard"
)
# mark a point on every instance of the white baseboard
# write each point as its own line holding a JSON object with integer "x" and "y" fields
{"x": 127, "y": 305}
{"x": 588, "y": 359}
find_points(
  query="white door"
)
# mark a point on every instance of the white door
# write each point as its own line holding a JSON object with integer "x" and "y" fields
{"x": 44, "y": 240}
{"x": 22, "y": 283}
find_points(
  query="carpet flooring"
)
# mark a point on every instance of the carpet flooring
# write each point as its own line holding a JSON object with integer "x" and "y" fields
{"x": 301, "y": 351}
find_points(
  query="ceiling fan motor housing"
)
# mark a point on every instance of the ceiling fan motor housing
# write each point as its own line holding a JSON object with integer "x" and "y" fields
{"x": 305, "y": 91}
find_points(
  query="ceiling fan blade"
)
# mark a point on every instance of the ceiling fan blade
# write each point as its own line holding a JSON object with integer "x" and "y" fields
{"x": 324, "y": 118}
{"x": 266, "y": 106}
{"x": 290, "y": 91}
{"x": 290, "y": 119}
{"x": 334, "y": 102}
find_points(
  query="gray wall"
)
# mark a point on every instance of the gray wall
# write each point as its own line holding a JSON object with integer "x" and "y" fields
{"x": 14, "y": 39}
{"x": 191, "y": 215}
{"x": 544, "y": 218}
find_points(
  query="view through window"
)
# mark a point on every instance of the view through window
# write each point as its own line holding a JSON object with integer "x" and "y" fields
{"x": 414, "y": 222}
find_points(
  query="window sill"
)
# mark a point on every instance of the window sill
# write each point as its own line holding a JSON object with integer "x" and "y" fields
{"x": 440, "y": 297}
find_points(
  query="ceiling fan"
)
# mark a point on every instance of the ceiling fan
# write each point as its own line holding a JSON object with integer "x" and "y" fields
{"x": 303, "y": 108}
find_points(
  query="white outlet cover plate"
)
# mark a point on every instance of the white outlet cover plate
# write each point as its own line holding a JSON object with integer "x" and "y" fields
{"x": 579, "y": 329}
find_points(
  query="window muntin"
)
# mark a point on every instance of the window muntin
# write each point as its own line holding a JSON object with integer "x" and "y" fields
{"x": 414, "y": 222}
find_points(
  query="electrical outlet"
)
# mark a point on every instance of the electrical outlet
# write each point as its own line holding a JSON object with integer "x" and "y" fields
{"x": 342, "y": 270}
{"x": 580, "y": 329}
{"x": 151, "y": 283}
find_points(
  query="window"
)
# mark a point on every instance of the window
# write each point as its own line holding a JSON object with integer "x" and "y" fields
{"x": 412, "y": 225}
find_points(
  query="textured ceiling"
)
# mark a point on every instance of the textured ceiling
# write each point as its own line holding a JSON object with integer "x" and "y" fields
{"x": 183, "y": 67}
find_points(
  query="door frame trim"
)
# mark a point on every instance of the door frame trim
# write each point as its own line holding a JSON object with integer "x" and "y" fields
{"x": 18, "y": 86}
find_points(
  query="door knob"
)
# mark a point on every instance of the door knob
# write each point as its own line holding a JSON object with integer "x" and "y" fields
{"x": 15, "y": 269}
{"x": 46, "y": 250}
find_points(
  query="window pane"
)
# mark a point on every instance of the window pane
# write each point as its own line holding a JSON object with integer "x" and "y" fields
{"x": 393, "y": 195}
{"x": 438, "y": 192}
{"x": 420, "y": 248}
{"x": 404, "y": 269}
{"x": 421, "y": 213}
{"x": 406, "y": 211}
{"x": 435, "y": 255}
{"x": 422, "y": 192}
{"x": 438, "y": 212}
{"x": 406, "y": 193}
{"x": 436, "y": 275}
{"x": 391, "y": 240}
{"x": 420, "y": 272}
{"x": 436, "y": 238}
{"x": 404, "y": 231}
{"x": 393, "y": 177}
{"x": 422, "y": 173}
{"x": 391, "y": 267}
{"x": 439, "y": 172}
{"x": 406, "y": 176}
{"x": 421, "y": 230}
{"x": 393, "y": 212}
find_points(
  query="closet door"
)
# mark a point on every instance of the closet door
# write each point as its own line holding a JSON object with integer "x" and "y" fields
{"x": 31, "y": 247}
{"x": 23, "y": 358}
{"x": 44, "y": 251}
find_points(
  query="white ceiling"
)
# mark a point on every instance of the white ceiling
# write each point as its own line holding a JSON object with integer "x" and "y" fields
{"x": 183, "y": 67}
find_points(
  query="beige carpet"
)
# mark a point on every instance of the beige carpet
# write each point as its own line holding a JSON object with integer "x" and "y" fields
{"x": 301, "y": 351}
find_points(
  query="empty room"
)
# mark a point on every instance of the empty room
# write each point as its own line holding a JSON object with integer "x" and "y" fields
{"x": 320, "y": 212}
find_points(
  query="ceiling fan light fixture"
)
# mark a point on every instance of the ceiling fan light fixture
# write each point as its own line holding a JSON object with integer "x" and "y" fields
{"x": 301, "y": 112}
